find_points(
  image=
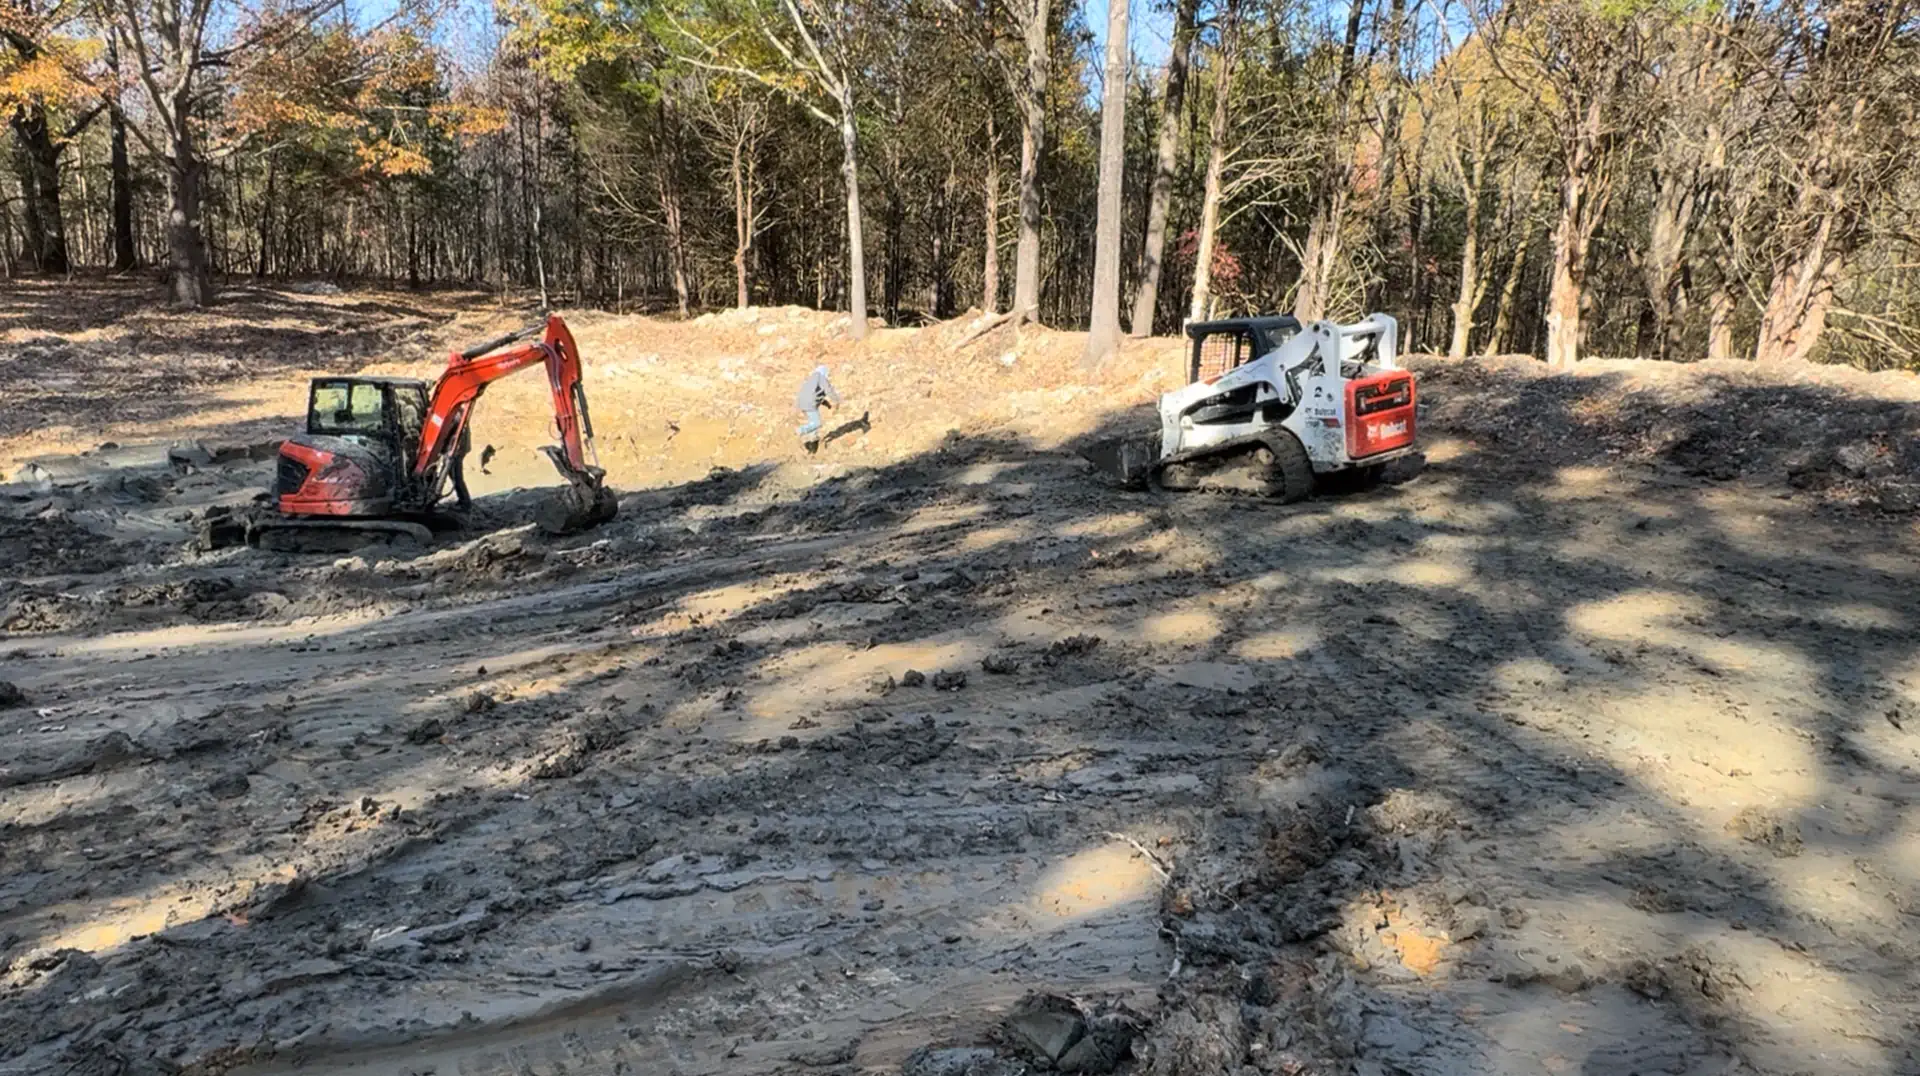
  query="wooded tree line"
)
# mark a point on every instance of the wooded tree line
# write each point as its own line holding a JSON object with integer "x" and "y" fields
{"x": 1671, "y": 178}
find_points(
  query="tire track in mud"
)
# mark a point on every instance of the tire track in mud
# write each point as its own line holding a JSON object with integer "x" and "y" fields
{"x": 1384, "y": 770}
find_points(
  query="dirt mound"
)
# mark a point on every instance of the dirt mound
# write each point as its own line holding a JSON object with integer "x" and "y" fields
{"x": 1847, "y": 438}
{"x": 930, "y": 753}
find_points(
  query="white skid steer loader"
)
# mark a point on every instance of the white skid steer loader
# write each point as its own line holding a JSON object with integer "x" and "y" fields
{"x": 1275, "y": 407}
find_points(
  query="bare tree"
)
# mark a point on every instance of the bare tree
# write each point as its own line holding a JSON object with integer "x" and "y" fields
{"x": 1253, "y": 159}
{"x": 126, "y": 254}
{"x": 1582, "y": 63}
{"x": 1027, "y": 82}
{"x": 165, "y": 42}
{"x": 737, "y": 118}
{"x": 45, "y": 76}
{"x": 1103, "y": 329}
{"x": 817, "y": 40}
{"x": 1482, "y": 136}
{"x": 1031, "y": 93}
{"x": 634, "y": 163}
{"x": 1166, "y": 162}
{"x": 1518, "y": 225}
{"x": 1851, "y": 74}
{"x": 990, "y": 242}
{"x": 1219, "y": 134}
{"x": 1333, "y": 183}
{"x": 1695, "y": 102}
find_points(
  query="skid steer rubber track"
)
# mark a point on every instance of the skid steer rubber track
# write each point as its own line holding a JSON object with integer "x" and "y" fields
{"x": 1274, "y": 465}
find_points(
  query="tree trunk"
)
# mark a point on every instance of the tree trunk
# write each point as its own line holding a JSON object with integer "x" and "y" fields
{"x": 1103, "y": 328}
{"x": 1033, "y": 132}
{"x": 675, "y": 225}
{"x": 1579, "y": 213}
{"x": 1569, "y": 265}
{"x": 1418, "y": 218}
{"x": 1147, "y": 298}
{"x": 1663, "y": 262}
{"x": 191, "y": 282}
{"x": 6, "y": 239}
{"x": 410, "y": 212}
{"x": 990, "y": 270}
{"x": 1385, "y": 213}
{"x": 856, "y": 247}
{"x": 742, "y": 222}
{"x": 672, "y": 212}
{"x": 1522, "y": 230}
{"x": 1320, "y": 256}
{"x": 940, "y": 295}
{"x": 47, "y": 232}
{"x": 263, "y": 260}
{"x": 817, "y": 242}
{"x": 1798, "y": 299}
{"x": 33, "y": 234}
{"x": 1720, "y": 322}
{"x": 1470, "y": 286}
{"x": 84, "y": 220}
{"x": 1202, "y": 297}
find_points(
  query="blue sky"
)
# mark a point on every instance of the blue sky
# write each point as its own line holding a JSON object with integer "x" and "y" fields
{"x": 1149, "y": 29}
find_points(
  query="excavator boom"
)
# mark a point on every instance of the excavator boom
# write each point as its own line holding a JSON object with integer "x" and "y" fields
{"x": 468, "y": 373}
{"x": 450, "y": 405}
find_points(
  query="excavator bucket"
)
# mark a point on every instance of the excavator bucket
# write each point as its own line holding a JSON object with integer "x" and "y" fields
{"x": 584, "y": 502}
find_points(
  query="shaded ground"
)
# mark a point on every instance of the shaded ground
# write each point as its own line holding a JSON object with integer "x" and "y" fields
{"x": 1564, "y": 756}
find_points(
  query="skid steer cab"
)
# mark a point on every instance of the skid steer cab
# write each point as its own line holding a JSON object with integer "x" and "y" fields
{"x": 1277, "y": 408}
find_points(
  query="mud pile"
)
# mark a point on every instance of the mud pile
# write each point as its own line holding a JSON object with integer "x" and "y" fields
{"x": 1842, "y": 437}
{"x": 933, "y": 754}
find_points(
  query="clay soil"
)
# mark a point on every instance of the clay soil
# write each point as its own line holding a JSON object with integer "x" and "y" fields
{"x": 1587, "y": 748}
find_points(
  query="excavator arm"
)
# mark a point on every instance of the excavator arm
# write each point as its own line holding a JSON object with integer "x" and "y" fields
{"x": 468, "y": 373}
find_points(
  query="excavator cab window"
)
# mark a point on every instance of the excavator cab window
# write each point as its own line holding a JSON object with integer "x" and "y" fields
{"x": 346, "y": 407}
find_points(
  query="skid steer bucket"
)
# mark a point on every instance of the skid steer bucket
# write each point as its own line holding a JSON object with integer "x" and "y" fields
{"x": 1128, "y": 459}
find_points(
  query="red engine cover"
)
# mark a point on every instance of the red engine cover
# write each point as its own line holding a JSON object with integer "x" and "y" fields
{"x": 1379, "y": 414}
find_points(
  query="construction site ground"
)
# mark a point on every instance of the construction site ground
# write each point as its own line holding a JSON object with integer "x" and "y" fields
{"x": 1588, "y": 747}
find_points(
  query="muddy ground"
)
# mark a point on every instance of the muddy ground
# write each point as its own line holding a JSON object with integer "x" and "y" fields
{"x": 1588, "y": 749}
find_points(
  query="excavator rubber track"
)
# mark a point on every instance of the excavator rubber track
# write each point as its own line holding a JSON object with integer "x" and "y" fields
{"x": 283, "y": 535}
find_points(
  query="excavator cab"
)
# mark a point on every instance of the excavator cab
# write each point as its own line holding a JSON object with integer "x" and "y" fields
{"x": 354, "y": 458}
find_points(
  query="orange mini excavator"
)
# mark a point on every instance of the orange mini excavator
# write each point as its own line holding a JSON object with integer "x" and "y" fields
{"x": 380, "y": 452}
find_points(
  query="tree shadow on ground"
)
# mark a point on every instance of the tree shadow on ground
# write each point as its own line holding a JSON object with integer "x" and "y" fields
{"x": 1518, "y": 765}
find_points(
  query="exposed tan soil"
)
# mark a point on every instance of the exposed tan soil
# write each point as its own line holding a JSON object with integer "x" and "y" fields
{"x": 1590, "y": 748}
